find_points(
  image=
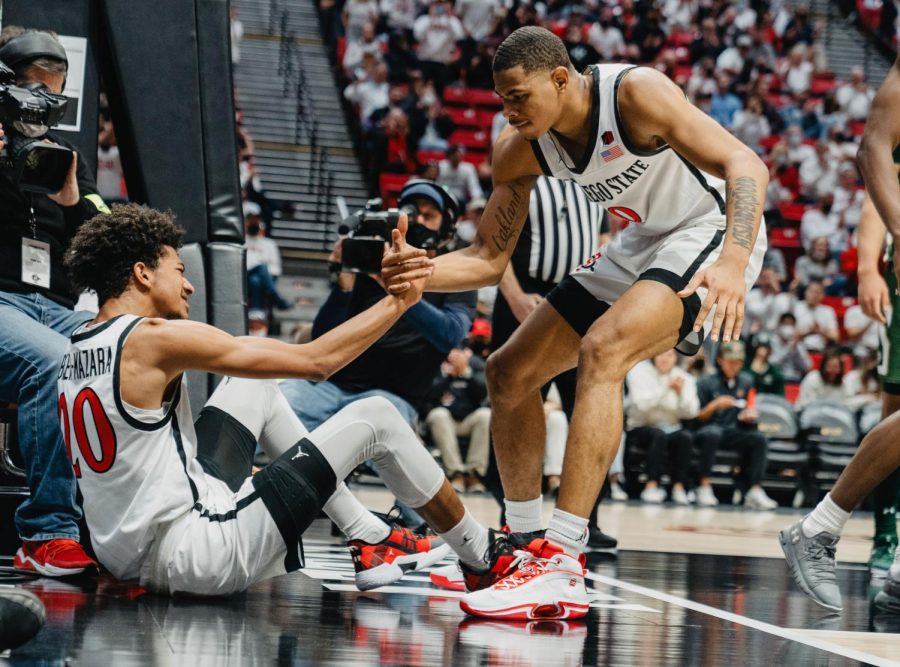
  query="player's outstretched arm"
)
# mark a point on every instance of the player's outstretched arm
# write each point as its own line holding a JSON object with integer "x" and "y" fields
{"x": 657, "y": 109}
{"x": 174, "y": 346}
{"x": 875, "y": 159}
{"x": 873, "y": 290}
{"x": 483, "y": 262}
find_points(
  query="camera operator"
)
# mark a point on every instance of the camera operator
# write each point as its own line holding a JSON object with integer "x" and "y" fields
{"x": 404, "y": 363}
{"x": 36, "y": 316}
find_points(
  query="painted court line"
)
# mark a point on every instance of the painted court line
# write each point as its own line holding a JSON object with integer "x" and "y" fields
{"x": 743, "y": 620}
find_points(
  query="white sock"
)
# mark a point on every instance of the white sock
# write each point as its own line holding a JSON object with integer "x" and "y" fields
{"x": 568, "y": 531}
{"x": 826, "y": 517}
{"x": 469, "y": 539}
{"x": 354, "y": 520}
{"x": 524, "y": 516}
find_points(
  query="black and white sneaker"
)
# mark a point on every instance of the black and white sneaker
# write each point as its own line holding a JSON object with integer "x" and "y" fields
{"x": 600, "y": 542}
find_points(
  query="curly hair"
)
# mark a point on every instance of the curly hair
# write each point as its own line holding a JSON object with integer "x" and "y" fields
{"x": 535, "y": 49}
{"x": 107, "y": 246}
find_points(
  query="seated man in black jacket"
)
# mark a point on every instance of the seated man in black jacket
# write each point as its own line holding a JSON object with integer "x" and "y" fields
{"x": 403, "y": 364}
{"x": 454, "y": 408}
{"x": 36, "y": 319}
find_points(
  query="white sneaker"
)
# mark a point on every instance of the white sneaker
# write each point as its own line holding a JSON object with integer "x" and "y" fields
{"x": 756, "y": 499}
{"x": 706, "y": 497}
{"x": 558, "y": 643}
{"x": 680, "y": 497}
{"x": 617, "y": 493}
{"x": 546, "y": 583}
{"x": 655, "y": 495}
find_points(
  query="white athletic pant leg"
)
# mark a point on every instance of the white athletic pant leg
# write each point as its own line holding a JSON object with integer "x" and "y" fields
{"x": 372, "y": 428}
{"x": 555, "y": 449}
{"x": 261, "y": 407}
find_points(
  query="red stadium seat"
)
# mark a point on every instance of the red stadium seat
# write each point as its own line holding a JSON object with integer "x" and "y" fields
{"x": 821, "y": 87}
{"x": 475, "y": 158}
{"x": 816, "y": 358}
{"x": 390, "y": 186}
{"x": 784, "y": 237}
{"x": 857, "y": 127}
{"x": 428, "y": 156}
{"x": 478, "y": 141}
{"x": 454, "y": 96}
{"x": 768, "y": 143}
{"x": 792, "y": 212}
{"x": 486, "y": 99}
{"x": 791, "y": 391}
{"x": 465, "y": 118}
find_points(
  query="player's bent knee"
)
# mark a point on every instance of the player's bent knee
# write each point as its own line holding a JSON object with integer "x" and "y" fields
{"x": 602, "y": 353}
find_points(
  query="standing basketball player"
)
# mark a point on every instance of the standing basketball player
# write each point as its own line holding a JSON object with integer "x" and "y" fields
{"x": 693, "y": 193}
{"x": 809, "y": 545}
{"x": 175, "y": 505}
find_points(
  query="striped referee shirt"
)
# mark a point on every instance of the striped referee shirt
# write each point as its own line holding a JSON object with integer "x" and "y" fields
{"x": 560, "y": 233}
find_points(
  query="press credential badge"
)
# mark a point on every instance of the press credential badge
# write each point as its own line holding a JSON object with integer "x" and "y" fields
{"x": 36, "y": 262}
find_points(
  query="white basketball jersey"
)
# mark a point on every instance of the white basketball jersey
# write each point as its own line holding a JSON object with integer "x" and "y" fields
{"x": 658, "y": 191}
{"x": 136, "y": 468}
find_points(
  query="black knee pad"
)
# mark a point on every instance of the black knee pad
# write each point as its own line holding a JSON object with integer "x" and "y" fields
{"x": 294, "y": 487}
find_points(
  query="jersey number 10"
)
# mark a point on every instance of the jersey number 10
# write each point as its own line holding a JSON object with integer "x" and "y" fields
{"x": 102, "y": 426}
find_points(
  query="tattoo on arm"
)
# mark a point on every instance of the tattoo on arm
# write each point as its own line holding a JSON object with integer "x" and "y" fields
{"x": 743, "y": 195}
{"x": 507, "y": 217}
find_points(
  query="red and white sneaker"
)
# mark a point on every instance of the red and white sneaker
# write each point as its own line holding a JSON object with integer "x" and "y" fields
{"x": 400, "y": 552}
{"x": 53, "y": 558}
{"x": 545, "y": 583}
{"x": 502, "y": 545}
{"x": 449, "y": 577}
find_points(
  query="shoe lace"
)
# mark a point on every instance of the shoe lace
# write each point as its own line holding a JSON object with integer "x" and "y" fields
{"x": 525, "y": 566}
{"x": 820, "y": 558}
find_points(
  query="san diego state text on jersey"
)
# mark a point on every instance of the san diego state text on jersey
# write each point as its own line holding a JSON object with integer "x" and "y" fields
{"x": 615, "y": 185}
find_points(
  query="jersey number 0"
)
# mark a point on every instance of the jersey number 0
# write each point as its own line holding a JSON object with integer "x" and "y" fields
{"x": 102, "y": 426}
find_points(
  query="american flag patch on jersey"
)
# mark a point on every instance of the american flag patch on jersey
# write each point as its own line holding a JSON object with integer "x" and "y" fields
{"x": 611, "y": 153}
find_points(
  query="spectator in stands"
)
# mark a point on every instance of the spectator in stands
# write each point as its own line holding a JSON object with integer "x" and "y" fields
{"x": 400, "y": 58}
{"x": 820, "y": 221}
{"x": 453, "y": 409}
{"x": 799, "y": 29}
{"x": 728, "y": 419}
{"x": 480, "y": 19}
{"x": 830, "y": 115}
{"x": 703, "y": 79}
{"x": 848, "y": 195}
{"x": 765, "y": 304}
{"x": 680, "y": 15}
{"x": 390, "y": 148}
{"x": 861, "y": 384}
{"x": 555, "y": 445}
{"x": 732, "y": 59}
{"x": 708, "y": 44}
{"x": 263, "y": 263}
{"x": 437, "y": 33}
{"x": 660, "y": 396}
{"x": 818, "y": 173}
{"x": 649, "y": 35}
{"x": 237, "y": 35}
{"x": 245, "y": 146}
{"x": 767, "y": 377}
{"x": 400, "y": 15}
{"x": 788, "y": 349}
{"x": 606, "y": 37}
{"x": 797, "y": 71}
{"x": 861, "y": 331}
{"x": 724, "y": 103}
{"x": 855, "y": 96}
{"x": 479, "y": 73}
{"x": 369, "y": 93}
{"x": 776, "y": 195}
{"x": 825, "y": 382}
{"x": 356, "y": 14}
{"x": 750, "y": 125}
{"x": 459, "y": 176}
{"x": 109, "y": 166}
{"x": 798, "y": 152}
{"x": 817, "y": 323}
{"x": 581, "y": 53}
{"x": 367, "y": 44}
{"x": 819, "y": 265}
{"x": 438, "y": 128}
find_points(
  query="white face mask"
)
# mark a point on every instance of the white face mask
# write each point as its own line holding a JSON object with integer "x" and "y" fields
{"x": 786, "y": 331}
{"x": 466, "y": 230}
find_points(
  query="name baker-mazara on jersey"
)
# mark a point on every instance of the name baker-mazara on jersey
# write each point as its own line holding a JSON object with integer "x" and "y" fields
{"x": 86, "y": 363}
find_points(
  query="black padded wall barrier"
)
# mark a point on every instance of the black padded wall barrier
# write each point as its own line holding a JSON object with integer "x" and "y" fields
{"x": 154, "y": 92}
{"x": 217, "y": 107}
{"x": 76, "y": 18}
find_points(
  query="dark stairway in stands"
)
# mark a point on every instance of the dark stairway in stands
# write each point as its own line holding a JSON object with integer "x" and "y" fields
{"x": 292, "y": 109}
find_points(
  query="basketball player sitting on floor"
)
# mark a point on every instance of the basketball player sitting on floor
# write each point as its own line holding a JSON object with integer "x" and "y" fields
{"x": 173, "y": 502}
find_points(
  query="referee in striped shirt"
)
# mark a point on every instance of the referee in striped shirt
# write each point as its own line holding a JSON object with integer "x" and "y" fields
{"x": 563, "y": 229}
